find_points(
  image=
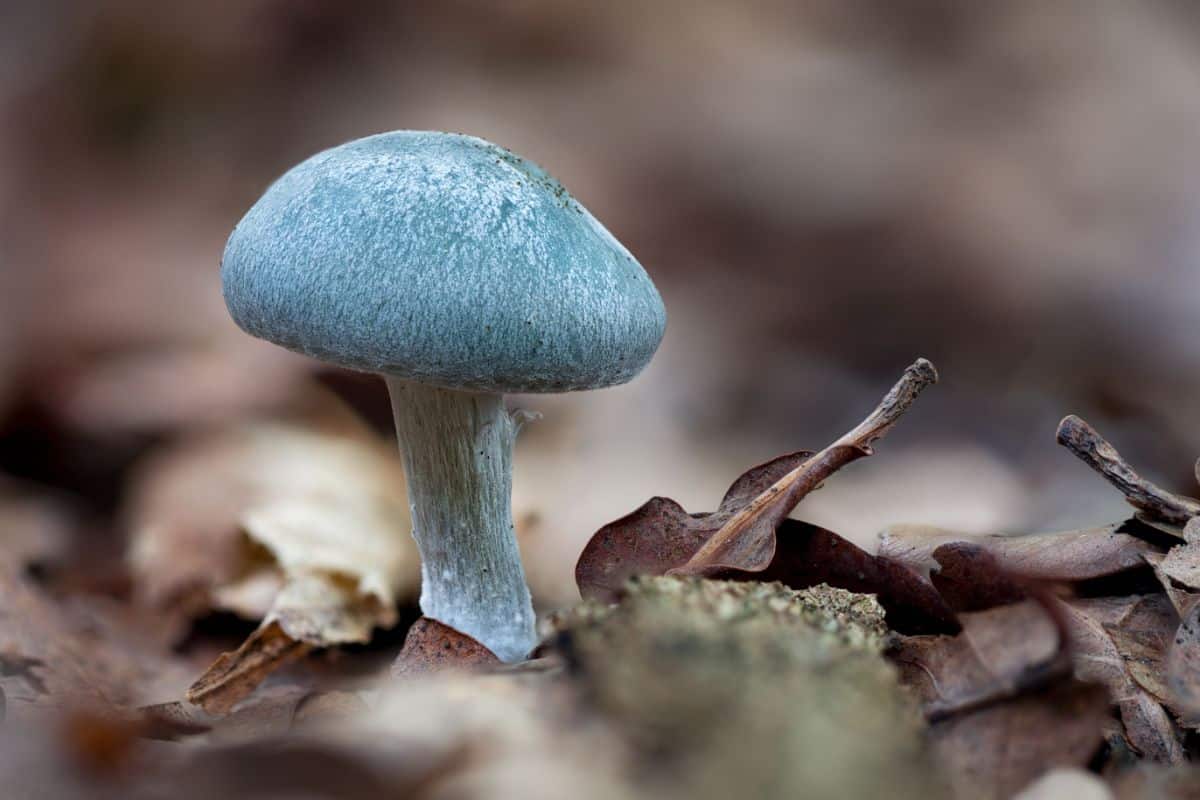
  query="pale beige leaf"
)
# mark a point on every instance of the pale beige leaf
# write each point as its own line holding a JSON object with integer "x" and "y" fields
{"x": 211, "y": 518}
{"x": 253, "y": 596}
{"x": 356, "y": 541}
{"x": 324, "y": 610}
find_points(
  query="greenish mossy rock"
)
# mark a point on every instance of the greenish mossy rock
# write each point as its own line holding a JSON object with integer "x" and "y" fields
{"x": 732, "y": 689}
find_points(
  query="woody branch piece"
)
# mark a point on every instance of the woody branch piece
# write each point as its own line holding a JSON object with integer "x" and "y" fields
{"x": 1083, "y": 440}
{"x": 748, "y": 537}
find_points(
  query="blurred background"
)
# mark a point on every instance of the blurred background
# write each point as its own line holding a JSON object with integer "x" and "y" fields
{"x": 822, "y": 191}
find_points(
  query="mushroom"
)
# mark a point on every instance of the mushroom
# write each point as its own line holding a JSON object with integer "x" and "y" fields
{"x": 459, "y": 272}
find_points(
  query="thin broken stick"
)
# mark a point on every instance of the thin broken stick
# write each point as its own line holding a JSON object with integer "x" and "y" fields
{"x": 1083, "y": 440}
{"x": 747, "y": 540}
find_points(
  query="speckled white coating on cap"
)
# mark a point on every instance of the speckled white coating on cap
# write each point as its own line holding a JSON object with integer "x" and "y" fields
{"x": 441, "y": 258}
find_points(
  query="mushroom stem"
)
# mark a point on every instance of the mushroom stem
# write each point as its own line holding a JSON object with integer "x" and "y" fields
{"x": 457, "y": 451}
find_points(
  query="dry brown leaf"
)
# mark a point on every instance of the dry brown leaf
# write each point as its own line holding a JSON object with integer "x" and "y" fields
{"x": 661, "y": 535}
{"x": 968, "y": 578}
{"x": 330, "y": 596}
{"x": 57, "y": 656}
{"x": 1181, "y": 564}
{"x": 1182, "y": 668}
{"x": 1000, "y": 653}
{"x": 1065, "y": 556}
{"x": 269, "y": 713}
{"x": 320, "y": 707}
{"x": 1098, "y": 657}
{"x": 1181, "y": 599}
{"x": 997, "y": 751}
{"x": 1142, "y": 635}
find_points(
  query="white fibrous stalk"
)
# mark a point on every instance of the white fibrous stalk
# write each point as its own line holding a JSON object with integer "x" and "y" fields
{"x": 457, "y": 451}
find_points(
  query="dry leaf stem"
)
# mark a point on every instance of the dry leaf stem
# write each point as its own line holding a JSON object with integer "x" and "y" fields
{"x": 1082, "y": 439}
{"x": 773, "y": 505}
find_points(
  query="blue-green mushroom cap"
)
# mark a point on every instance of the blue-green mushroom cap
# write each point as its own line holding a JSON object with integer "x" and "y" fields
{"x": 445, "y": 259}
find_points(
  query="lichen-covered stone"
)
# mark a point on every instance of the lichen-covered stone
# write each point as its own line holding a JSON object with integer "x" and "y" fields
{"x": 441, "y": 258}
{"x": 751, "y": 690}
{"x": 856, "y": 620}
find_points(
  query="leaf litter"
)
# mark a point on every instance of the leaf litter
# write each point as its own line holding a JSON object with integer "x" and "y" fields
{"x": 734, "y": 652}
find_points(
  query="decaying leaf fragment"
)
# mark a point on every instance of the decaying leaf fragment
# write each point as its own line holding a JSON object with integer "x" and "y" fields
{"x": 306, "y": 531}
{"x": 807, "y": 555}
{"x": 661, "y": 533}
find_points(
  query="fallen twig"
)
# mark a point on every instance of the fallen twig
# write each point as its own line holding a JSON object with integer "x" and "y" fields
{"x": 756, "y": 523}
{"x": 1092, "y": 448}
